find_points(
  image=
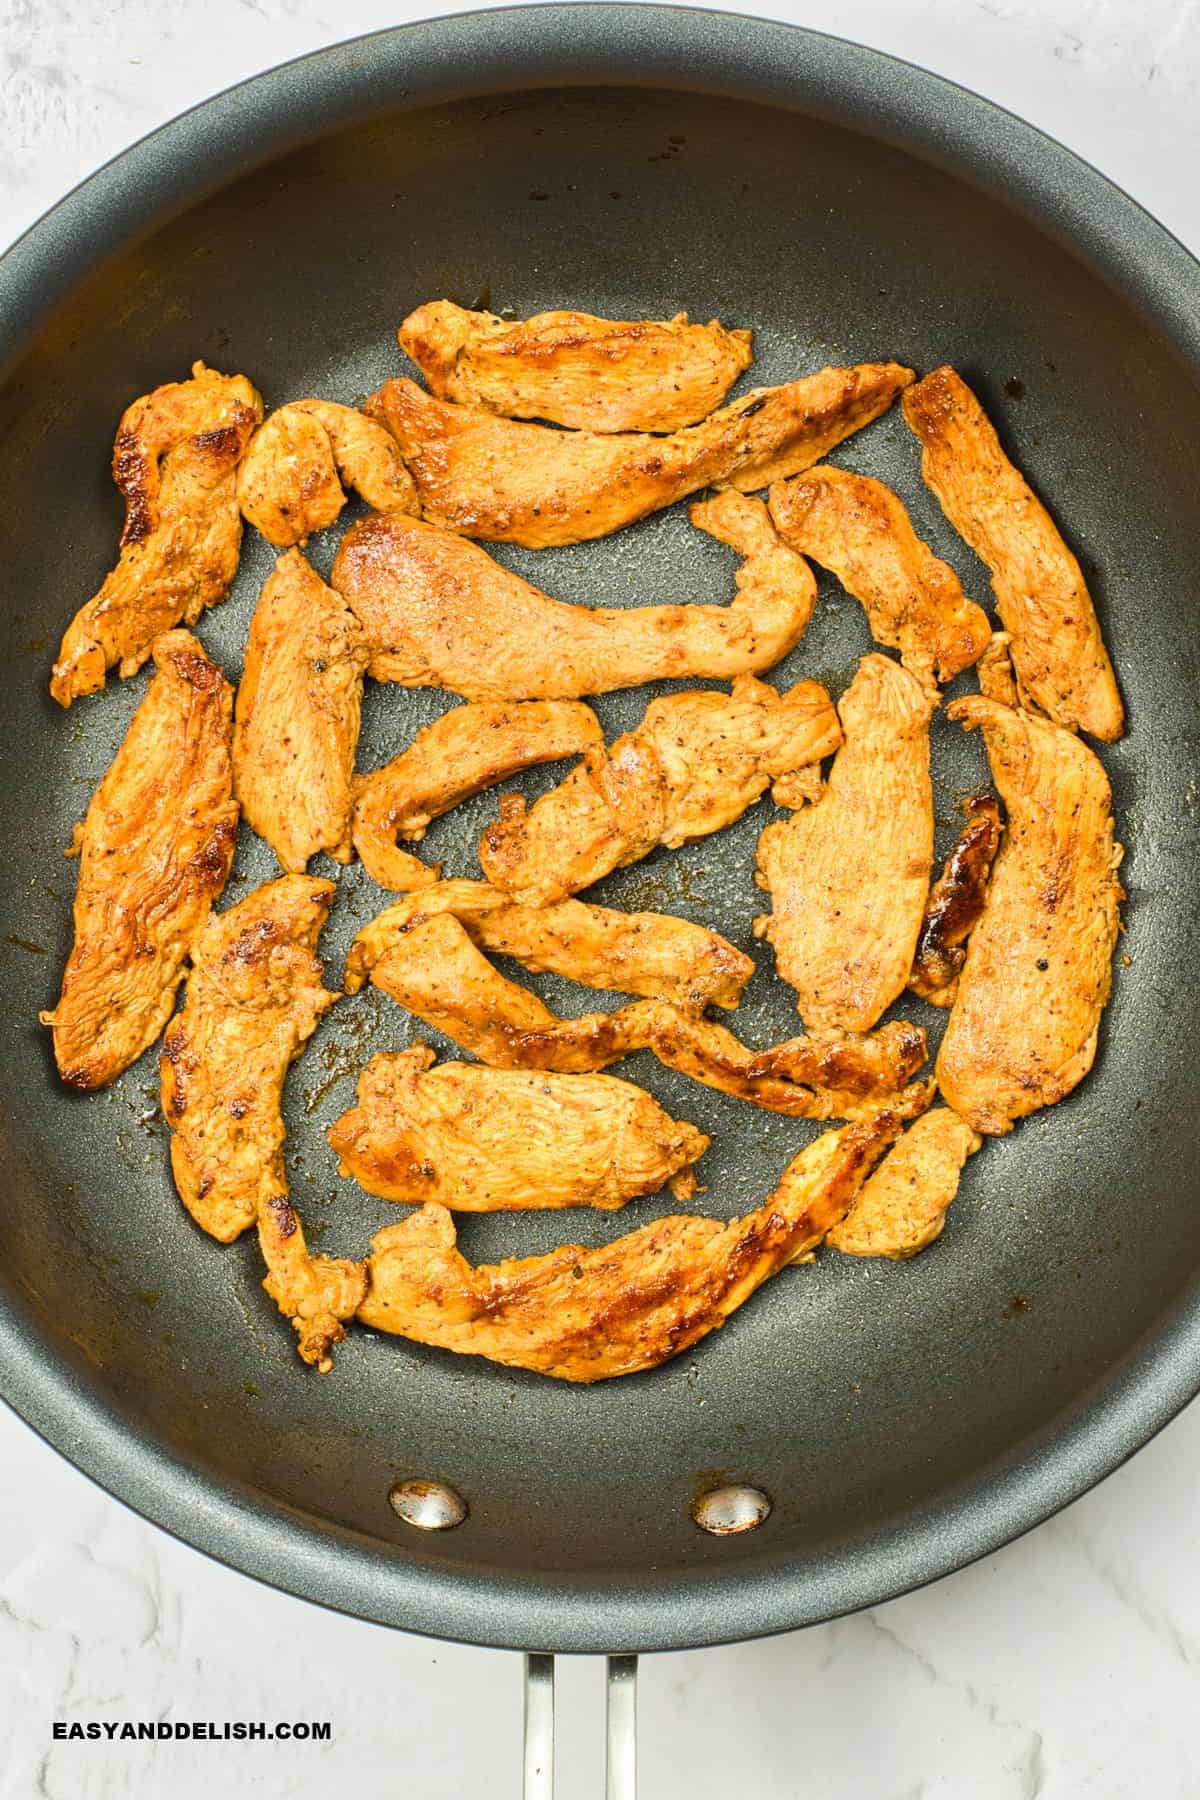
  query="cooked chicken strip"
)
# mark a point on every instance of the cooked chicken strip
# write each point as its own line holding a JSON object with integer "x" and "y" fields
{"x": 860, "y": 530}
{"x": 468, "y": 749}
{"x": 436, "y": 973}
{"x": 174, "y": 461}
{"x": 297, "y": 718}
{"x": 154, "y": 852}
{"x": 532, "y": 484}
{"x": 902, "y": 1207}
{"x": 288, "y": 485}
{"x": 254, "y": 997}
{"x": 439, "y": 612}
{"x": 574, "y": 369}
{"x": 315, "y": 1292}
{"x": 1038, "y": 968}
{"x": 585, "y": 1315}
{"x": 1062, "y": 666}
{"x": 849, "y": 876}
{"x": 774, "y": 583}
{"x": 501, "y": 1140}
{"x": 955, "y": 903}
{"x": 651, "y": 954}
{"x": 693, "y": 765}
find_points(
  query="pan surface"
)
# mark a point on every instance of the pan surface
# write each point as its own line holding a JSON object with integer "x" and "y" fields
{"x": 906, "y": 1418}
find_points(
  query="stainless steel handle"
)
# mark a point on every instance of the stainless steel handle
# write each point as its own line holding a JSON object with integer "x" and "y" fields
{"x": 620, "y": 1775}
{"x": 539, "y": 1728}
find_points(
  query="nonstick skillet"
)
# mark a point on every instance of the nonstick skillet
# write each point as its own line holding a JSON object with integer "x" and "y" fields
{"x": 900, "y": 1419}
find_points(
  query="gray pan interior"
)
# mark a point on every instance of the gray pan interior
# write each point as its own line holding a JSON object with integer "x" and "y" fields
{"x": 903, "y": 1418}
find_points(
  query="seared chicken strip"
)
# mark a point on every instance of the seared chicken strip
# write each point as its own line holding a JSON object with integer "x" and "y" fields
{"x": 315, "y": 1292}
{"x": 849, "y": 876}
{"x": 468, "y": 749}
{"x": 154, "y": 852}
{"x": 860, "y": 530}
{"x": 776, "y": 589}
{"x": 693, "y": 765}
{"x": 254, "y": 997}
{"x": 501, "y": 1140}
{"x": 654, "y": 955}
{"x": 574, "y": 369}
{"x": 436, "y": 973}
{"x": 1038, "y": 968}
{"x": 289, "y": 486}
{"x": 585, "y": 1315}
{"x": 955, "y": 903}
{"x": 531, "y": 484}
{"x": 297, "y": 718}
{"x": 174, "y": 461}
{"x": 902, "y": 1207}
{"x": 439, "y": 612}
{"x": 1062, "y": 666}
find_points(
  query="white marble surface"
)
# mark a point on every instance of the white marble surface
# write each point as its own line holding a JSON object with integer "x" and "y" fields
{"x": 1065, "y": 1667}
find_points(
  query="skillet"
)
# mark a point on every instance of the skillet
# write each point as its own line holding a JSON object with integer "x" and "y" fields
{"x": 903, "y": 1420}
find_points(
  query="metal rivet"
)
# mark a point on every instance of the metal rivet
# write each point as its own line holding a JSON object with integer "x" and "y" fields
{"x": 429, "y": 1505}
{"x": 726, "y": 1510}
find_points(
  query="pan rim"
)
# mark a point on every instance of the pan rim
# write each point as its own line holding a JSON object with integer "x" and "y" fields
{"x": 596, "y": 44}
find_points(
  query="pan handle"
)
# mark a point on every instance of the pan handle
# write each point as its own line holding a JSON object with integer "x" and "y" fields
{"x": 620, "y": 1775}
{"x": 539, "y": 1728}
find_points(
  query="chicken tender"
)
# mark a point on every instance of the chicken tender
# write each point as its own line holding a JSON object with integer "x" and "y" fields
{"x": 470, "y": 748}
{"x": 297, "y": 718}
{"x": 848, "y": 877}
{"x": 155, "y": 850}
{"x": 1062, "y": 666}
{"x": 1024, "y": 1026}
{"x": 435, "y": 972}
{"x": 501, "y": 1140}
{"x": 174, "y": 460}
{"x": 440, "y": 612}
{"x": 531, "y": 484}
{"x": 955, "y": 904}
{"x": 693, "y": 766}
{"x": 586, "y": 1315}
{"x": 902, "y": 1207}
{"x": 860, "y": 530}
{"x": 574, "y": 369}
{"x": 254, "y": 998}
{"x": 316, "y": 1293}
{"x": 290, "y": 483}
{"x": 651, "y": 954}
